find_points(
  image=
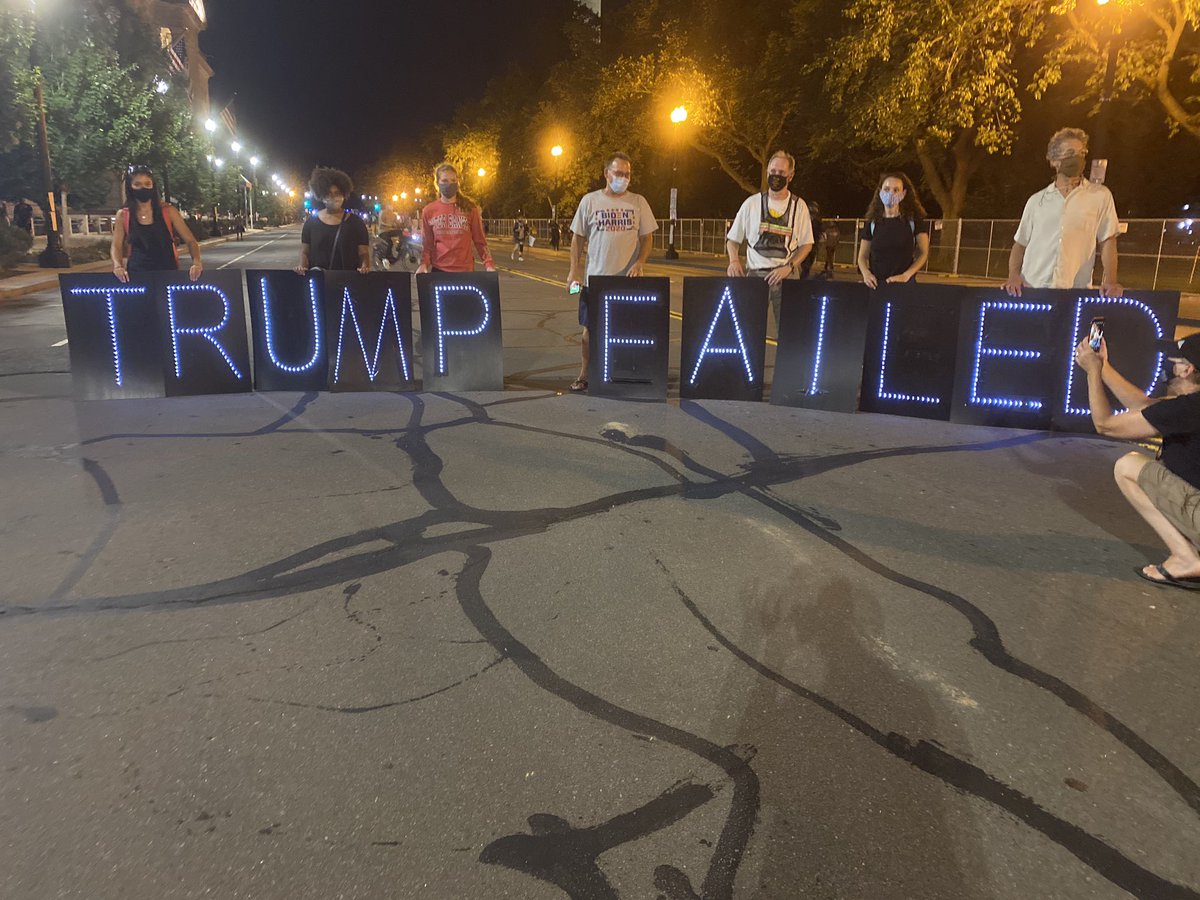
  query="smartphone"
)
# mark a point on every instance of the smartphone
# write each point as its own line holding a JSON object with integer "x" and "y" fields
{"x": 1096, "y": 334}
{"x": 576, "y": 287}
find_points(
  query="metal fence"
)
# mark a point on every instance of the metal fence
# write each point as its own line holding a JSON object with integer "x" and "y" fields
{"x": 1158, "y": 254}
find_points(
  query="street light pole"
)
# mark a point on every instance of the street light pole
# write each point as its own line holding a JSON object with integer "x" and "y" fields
{"x": 1100, "y": 148}
{"x": 678, "y": 117}
{"x": 556, "y": 151}
{"x": 54, "y": 256}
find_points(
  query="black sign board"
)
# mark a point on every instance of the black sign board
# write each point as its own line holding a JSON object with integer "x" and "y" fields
{"x": 724, "y": 342}
{"x": 203, "y": 328}
{"x": 113, "y": 336}
{"x": 462, "y": 348}
{"x": 911, "y": 349}
{"x": 369, "y": 322}
{"x": 819, "y": 360}
{"x": 629, "y": 333}
{"x": 288, "y": 326}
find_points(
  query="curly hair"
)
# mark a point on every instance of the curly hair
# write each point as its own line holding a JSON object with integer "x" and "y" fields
{"x": 910, "y": 206}
{"x": 1065, "y": 134}
{"x": 323, "y": 179}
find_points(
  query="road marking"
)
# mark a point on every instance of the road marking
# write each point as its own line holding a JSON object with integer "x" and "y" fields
{"x": 255, "y": 250}
{"x": 60, "y": 343}
{"x": 674, "y": 315}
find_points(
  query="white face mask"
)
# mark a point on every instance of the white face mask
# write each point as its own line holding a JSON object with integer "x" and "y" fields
{"x": 619, "y": 185}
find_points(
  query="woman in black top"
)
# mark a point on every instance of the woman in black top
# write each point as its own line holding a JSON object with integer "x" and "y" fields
{"x": 145, "y": 231}
{"x": 893, "y": 244}
{"x": 334, "y": 238}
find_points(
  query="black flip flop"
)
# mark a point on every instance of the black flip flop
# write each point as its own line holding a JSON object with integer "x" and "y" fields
{"x": 1190, "y": 583}
{"x": 578, "y": 386}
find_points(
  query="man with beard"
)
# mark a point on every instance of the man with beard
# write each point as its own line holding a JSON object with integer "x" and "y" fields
{"x": 1063, "y": 224}
{"x": 1164, "y": 491}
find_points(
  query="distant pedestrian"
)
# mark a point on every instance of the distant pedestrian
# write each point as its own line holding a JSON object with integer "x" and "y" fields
{"x": 23, "y": 215}
{"x": 1063, "y": 224}
{"x": 334, "y": 238}
{"x": 520, "y": 233}
{"x": 146, "y": 230}
{"x": 829, "y": 238}
{"x": 776, "y": 227}
{"x": 3, "y": 212}
{"x": 452, "y": 226}
{"x": 554, "y": 235}
{"x": 239, "y": 226}
{"x": 894, "y": 242}
{"x": 616, "y": 227}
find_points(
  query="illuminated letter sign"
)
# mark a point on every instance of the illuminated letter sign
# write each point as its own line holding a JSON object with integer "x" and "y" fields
{"x": 629, "y": 326}
{"x": 288, "y": 325}
{"x": 461, "y": 342}
{"x": 724, "y": 338}
{"x": 911, "y": 348}
{"x": 205, "y": 324}
{"x": 819, "y": 359}
{"x": 369, "y": 320}
{"x": 1130, "y": 344}
{"x": 112, "y": 334}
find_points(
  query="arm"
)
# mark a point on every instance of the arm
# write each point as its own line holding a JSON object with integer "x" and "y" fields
{"x": 427, "y": 239}
{"x": 864, "y": 264}
{"x": 922, "y": 255}
{"x": 193, "y": 245}
{"x": 578, "y": 245}
{"x": 736, "y": 269}
{"x": 645, "y": 245}
{"x": 1109, "y": 286}
{"x": 364, "y": 258}
{"x": 117, "y": 250}
{"x": 1131, "y": 425}
{"x": 302, "y": 267}
{"x": 480, "y": 239}
{"x": 1016, "y": 258}
{"x": 1125, "y": 391}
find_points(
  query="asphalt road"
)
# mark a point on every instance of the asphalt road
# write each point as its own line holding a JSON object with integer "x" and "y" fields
{"x": 535, "y": 645}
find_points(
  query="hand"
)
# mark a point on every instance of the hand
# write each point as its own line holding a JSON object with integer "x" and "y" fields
{"x": 902, "y": 278}
{"x": 573, "y": 277}
{"x": 870, "y": 280}
{"x": 422, "y": 269}
{"x": 1087, "y": 358}
{"x": 1111, "y": 289}
{"x": 196, "y": 271}
{"x": 736, "y": 269}
{"x": 489, "y": 267}
{"x": 635, "y": 271}
{"x": 778, "y": 274}
{"x": 1013, "y": 287}
{"x": 364, "y": 269}
{"x": 121, "y": 272}
{"x": 300, "y": 270}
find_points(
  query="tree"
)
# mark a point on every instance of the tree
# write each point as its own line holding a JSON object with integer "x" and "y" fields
{"x": 934, "y": 81}
{"x": 1158, "y": 53}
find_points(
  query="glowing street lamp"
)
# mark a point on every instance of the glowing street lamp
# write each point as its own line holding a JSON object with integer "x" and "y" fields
{"x": 236, "y": 147}
{"x": 482, "y": 172}
{"x": 556, "y": 150}
{"x": 210, "y": 126}
{"x": 679, "y": 114}
{"x": 404, "y": 195}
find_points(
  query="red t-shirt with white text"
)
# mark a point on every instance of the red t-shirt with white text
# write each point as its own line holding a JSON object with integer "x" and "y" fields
{"x": 448, "y": 233}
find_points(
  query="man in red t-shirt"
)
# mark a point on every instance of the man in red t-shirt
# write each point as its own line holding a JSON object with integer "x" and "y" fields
{"x": 450, "y": 225}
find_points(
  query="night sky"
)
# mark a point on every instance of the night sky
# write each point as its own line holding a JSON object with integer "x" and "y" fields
{"x": 343, "y": 83}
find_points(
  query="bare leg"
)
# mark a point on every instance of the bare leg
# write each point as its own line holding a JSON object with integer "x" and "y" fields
{"x": 585, "y": 353}
{"x": 1184, "y": 560}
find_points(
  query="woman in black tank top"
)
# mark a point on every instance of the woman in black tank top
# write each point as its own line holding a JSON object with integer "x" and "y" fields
{"x": 143, "y": 236}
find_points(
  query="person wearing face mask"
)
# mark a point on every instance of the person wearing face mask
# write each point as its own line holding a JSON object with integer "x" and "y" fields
{"x": 144, "y": 232}
{"x": 894, "y": 242}
{"x": 616, "y": 227}
{"x": 1063, "y": 224}
{"x": 777, "y": 229}
{"x": 1165, "y": 491}
{"x": 334, "y": 238}
{"x": 452, "y": 225}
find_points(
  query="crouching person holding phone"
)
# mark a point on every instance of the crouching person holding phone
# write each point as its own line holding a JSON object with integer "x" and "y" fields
{"x": 1164, "y": 491}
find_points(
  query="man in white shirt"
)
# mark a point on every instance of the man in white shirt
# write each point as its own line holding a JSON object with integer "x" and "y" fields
{"x": 1055, "y": 244}
{"x": 776, "y": 226}
{"x": 616, "y": 228}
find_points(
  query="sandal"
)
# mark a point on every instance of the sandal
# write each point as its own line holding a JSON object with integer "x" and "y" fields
{"x": 578, "y": 386}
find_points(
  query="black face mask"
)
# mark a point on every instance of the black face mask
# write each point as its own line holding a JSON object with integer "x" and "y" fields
{"x": 448, "y": 190}
{"x": 777, "y": 182}
{"x": 143, "y": 195}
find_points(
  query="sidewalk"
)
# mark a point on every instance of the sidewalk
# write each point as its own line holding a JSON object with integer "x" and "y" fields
{"x": 30, "y": 278}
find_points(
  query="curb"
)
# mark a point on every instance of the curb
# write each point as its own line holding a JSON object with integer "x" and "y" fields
{"x": 51, "y": 280}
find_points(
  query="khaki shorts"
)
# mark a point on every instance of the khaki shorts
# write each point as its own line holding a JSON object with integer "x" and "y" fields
{"x": 1173, "y": 497}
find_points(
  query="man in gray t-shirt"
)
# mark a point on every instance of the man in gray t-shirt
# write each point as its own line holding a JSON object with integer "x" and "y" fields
{"x": 617, "y": 229}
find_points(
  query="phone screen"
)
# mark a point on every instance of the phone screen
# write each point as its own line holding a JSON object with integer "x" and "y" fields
{"x": 1096, "y": 334}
